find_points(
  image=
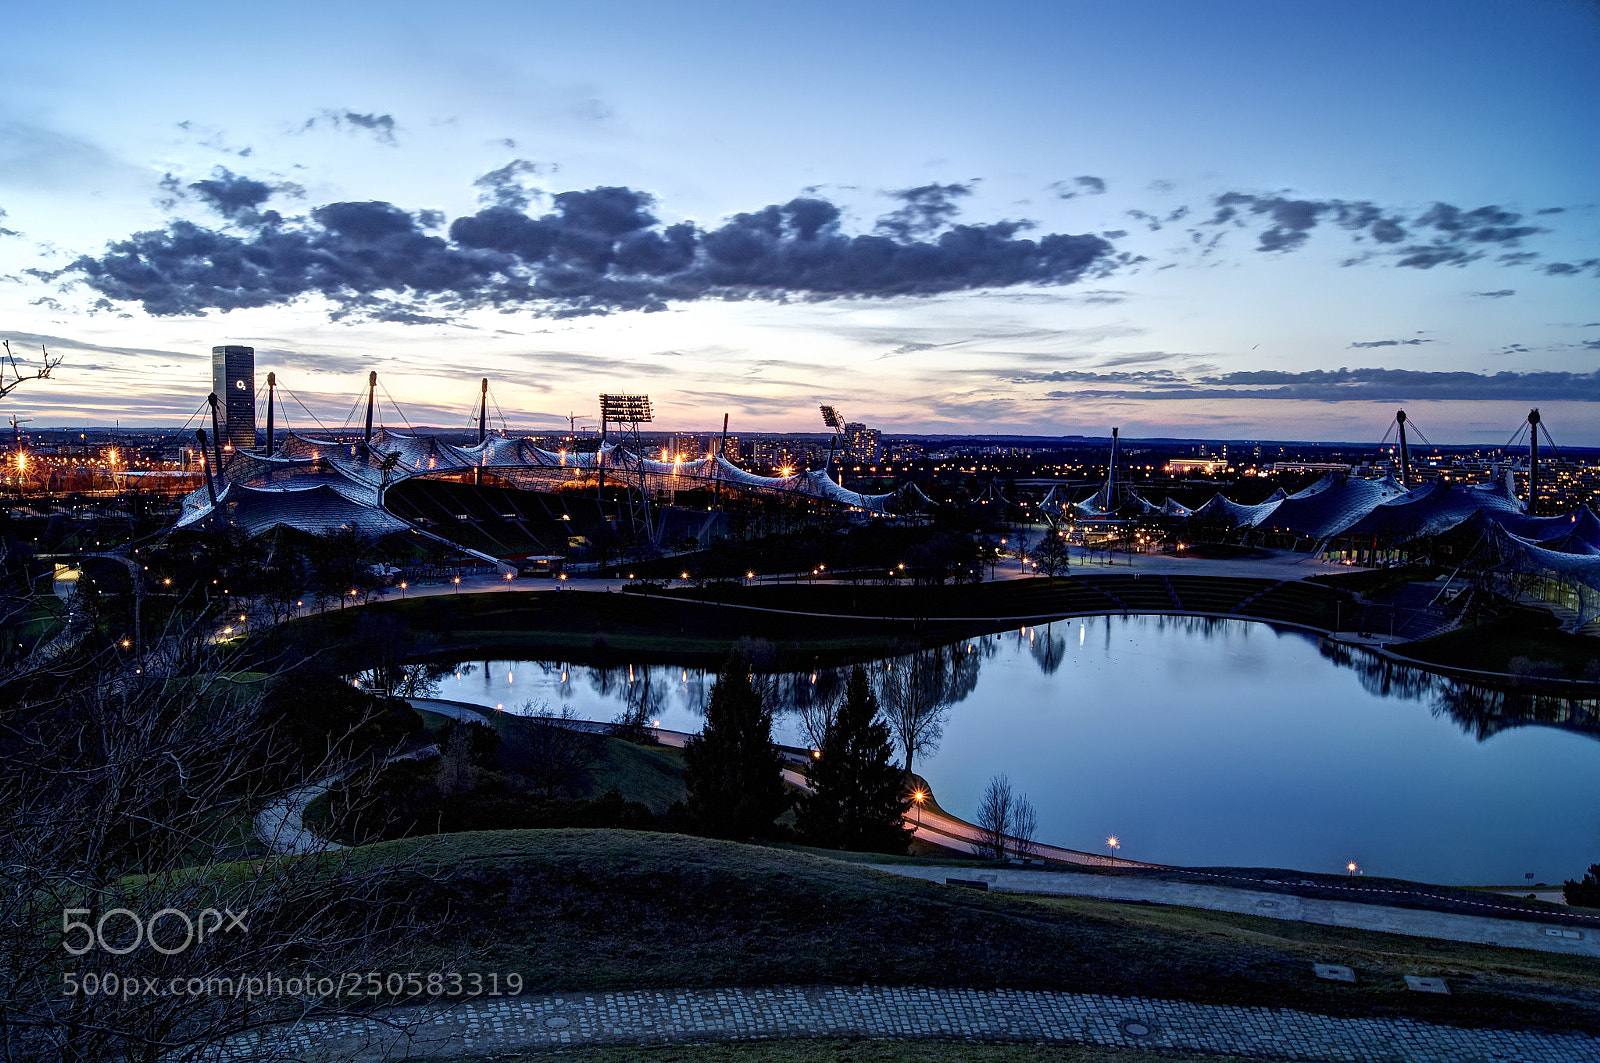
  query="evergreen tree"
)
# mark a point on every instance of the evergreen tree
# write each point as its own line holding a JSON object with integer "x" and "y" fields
{"x": 859, "y": 799}
{"x": 733, "y": 770}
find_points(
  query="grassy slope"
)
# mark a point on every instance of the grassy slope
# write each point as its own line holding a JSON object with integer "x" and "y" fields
{"x": 1497, "y": 645}
{"x": 611, "y": 909}
{"x": 585, "y": 625}
{"x": 651, "y": 775}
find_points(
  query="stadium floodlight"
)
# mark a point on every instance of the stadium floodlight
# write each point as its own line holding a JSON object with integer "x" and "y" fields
{"x": 625, "y": 409}
{"x": 832, "y": 418}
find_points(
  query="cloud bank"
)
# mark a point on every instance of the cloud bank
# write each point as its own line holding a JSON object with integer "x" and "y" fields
{"x": 1337, "y": 385}
{"x": 595, "y": 250}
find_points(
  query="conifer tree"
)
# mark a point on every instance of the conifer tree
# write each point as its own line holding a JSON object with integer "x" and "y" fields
{"x": 859, "y": 797}
{"x": 733, "y": 771}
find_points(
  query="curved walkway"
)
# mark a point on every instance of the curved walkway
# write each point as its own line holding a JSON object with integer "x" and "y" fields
{"x": 281, "y": 825}
{"x": 1558, "y": 934}
{"x": 484, "y": 1026}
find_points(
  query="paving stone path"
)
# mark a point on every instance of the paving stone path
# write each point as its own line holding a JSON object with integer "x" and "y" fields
{"x": 489, "y": 1026}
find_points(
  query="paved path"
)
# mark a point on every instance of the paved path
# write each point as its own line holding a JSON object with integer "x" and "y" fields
{"x": 486, "y": 1026}
{"x": 281, "y": 825}
{"x": 1559, "y": 937}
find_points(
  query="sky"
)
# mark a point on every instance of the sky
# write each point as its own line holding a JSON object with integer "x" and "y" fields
{"x": 1224, "y": 220}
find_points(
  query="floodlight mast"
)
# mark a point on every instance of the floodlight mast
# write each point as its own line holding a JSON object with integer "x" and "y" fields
{"x": 629, "y": 412}
{"x": 835, "y": 420}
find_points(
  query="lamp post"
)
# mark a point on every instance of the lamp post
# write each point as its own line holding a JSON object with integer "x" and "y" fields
{"x": 919, "y": 795}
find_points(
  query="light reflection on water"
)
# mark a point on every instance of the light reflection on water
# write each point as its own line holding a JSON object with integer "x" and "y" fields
{"x": 1198, "y": 742}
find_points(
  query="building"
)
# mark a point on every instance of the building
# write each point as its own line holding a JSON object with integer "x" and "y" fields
{"x": 233, "y": 379}
{"x": 866, "y": 444}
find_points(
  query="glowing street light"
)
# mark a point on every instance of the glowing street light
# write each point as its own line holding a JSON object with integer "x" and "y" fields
{"x": 1113, "y": 842}
{"x": 1351, "y": 868}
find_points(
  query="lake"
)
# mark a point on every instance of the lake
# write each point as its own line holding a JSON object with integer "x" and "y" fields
{"x": 1201, "y": 743}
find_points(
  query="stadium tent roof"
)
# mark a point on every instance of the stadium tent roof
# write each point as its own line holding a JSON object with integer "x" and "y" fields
{"x": 1330, "y": 505}
{"x": 1434, "y": 508}
{"x": 319, "y": 486}
{"x": 1580, "y": 570}
{"x": 1234, "y": 514}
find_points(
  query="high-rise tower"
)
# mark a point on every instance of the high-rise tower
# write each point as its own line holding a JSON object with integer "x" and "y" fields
{"x": 233, "y": 378}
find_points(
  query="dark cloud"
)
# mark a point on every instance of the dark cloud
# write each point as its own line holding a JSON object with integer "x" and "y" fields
{"x": 1342, "y": 385}
{"x": 1499, "y": 293}
{"x": 3, "y": 230}
{"x": 593, "y": 251}
{"x": 1151, "y": 222}
{"x": 1389, "y": 343}
{"x": 1078, "y": 186}
{"x": 1551, "y": 210}
{"x": 926, "y": 210}
{"x": 1439, "y": 236}
{"x": 381, "y": 126}
{"x": 230, "y": 194}
{"x": 1558, "y": 269}
{"x": 504, "y": 187}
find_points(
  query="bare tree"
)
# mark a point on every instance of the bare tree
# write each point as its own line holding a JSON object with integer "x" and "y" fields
{"x": 126, "y": 795}
{"x": 996, "y": 820}
{"x": 557, "y": 755}
{"x": 1024, "y": 824}
{"x": 815, "y": 700}
{"x": 47, "y": 362}
{"x": 1053, "y": 553}
{"x": 1006, "y": 821}
{"x": 916, "y": 690}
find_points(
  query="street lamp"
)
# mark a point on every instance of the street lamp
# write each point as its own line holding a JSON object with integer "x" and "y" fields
{"x": 919, "y": 795}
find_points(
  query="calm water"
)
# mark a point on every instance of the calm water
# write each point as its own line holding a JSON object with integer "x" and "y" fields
{"x": 1201, "y": 743}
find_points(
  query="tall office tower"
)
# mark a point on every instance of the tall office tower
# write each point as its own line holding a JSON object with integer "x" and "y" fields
{"x": 233, "y": 378}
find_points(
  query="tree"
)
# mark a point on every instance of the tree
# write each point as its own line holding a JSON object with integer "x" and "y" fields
{"x": 553, "y": 754}
{"x": 47, "y": 362}
{"x": 1006, "y": 820}
{"x": 124, "y": 788}
{"x": 859, "y": 798}
{"x": 1052, "y": 553}
{"x": 1586, "y": 891}
{"x": 733, "y": 771}
{"x": 917, "y": 689}
{"x": 994, "y": 818}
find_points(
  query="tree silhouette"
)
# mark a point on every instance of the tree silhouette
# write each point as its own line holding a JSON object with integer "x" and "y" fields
{"x": 859, "y": 799}
{"x": 733, "y": 771}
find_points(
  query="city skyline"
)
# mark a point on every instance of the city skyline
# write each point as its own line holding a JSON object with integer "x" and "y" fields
{"x": 1242, "y": 222}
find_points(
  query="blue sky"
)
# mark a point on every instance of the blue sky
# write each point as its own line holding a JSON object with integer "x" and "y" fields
{"x": 1226, "y": 220}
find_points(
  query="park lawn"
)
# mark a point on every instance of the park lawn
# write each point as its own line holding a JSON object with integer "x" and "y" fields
{"x": 651, "y": 775}
{"x": 576, "y": 909}
{"x": 850, "y": 1050}
{"x": 600, "y": 627}
{"x": 1516, "y": 645}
